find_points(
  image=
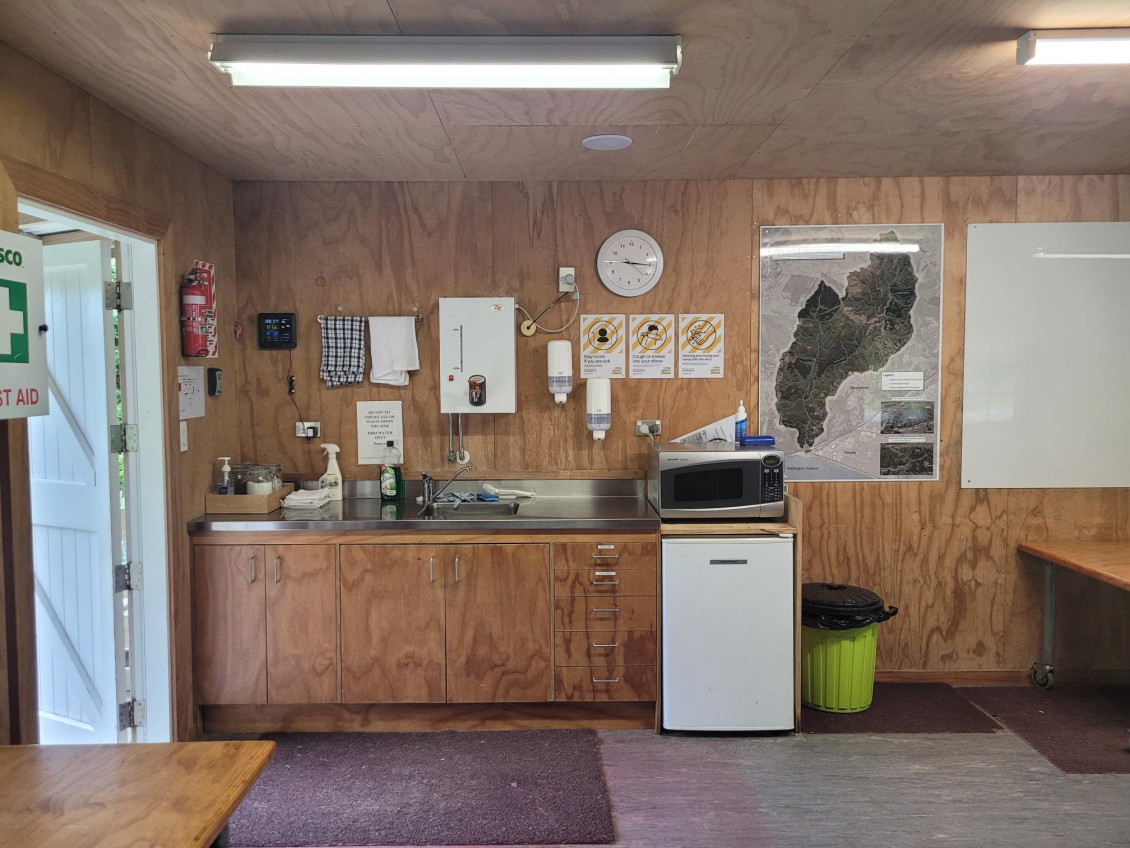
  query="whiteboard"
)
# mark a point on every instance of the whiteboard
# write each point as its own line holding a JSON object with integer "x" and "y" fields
{"x": 1047, "y": 351}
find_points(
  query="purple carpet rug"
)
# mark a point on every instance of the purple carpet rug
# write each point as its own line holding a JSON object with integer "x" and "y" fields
{"x": 520, "y": 787}
{"x": 1079, "y": 729}
{"x": 905, "y": 708}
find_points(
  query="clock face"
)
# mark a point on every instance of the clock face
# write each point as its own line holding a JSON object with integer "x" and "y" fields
{"x": 629, "y": 263}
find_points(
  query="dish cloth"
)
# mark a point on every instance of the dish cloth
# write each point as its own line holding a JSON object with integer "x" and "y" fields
{"x": 307, "y": 499}
{"x": 393, "y": 343}
{"x": 343, "y": 349}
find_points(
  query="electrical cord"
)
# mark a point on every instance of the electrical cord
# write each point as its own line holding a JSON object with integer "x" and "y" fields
{"x": 576, "y": 310}
{"x": 290, "y": 391}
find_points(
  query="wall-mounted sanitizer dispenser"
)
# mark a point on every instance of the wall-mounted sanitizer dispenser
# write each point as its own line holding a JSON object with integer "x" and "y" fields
{"x": 477, "y": 355}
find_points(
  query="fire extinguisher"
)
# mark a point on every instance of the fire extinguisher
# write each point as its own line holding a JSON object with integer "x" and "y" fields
{"x": 196, "y": 310}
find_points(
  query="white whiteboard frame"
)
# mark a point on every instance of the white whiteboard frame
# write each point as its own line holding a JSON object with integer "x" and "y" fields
{"x": 1047, "y": 353}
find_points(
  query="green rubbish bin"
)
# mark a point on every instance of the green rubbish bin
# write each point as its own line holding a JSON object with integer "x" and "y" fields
{"x": 837, "y": 646}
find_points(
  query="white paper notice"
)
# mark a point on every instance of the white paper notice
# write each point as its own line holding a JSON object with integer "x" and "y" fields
{"x": 903, "y": 381}
{"x": 603, "y": 346}
{"x": 190, "y": 391}
{"x": 721, "y": 430}
{"x": 377, "y": 422}
{"x": 652, "y": 338}
{"x": 702, "y": 346}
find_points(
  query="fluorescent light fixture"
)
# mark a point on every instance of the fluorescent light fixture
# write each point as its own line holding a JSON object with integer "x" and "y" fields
{"x": 606, "y": 142}
{"x": 384, "y": 61}
{"x": 1074, "y": 47}
{"x": 820, "y": 250}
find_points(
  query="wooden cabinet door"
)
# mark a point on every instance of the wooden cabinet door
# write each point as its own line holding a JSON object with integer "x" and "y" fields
{"x": 392, "y": 624}
{"x": 302, "y": 665}
{"x": 499, "y": 624}
{"x": 229, "y": 611}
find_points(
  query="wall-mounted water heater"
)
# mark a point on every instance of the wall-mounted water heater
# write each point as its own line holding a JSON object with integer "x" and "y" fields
{"x": 477, "y": 355}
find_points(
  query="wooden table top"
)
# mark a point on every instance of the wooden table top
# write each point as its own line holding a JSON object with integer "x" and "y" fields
{"x": 163, "y": 795}
{"x": 1105, "y": 561}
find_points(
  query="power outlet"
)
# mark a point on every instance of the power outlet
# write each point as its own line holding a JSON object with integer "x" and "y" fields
{"x": 566, "y": 279}
{"x": 649, "y": 427}
{"x": 307, "y": 429}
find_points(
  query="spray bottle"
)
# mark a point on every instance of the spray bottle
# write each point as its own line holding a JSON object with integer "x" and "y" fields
{"x": 332, "y": 478}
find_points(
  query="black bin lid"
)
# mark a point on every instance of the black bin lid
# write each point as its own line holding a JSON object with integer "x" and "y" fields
{"x": 838, "y": 599}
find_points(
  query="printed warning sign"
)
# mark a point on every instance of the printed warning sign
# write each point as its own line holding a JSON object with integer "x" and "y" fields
{"x": 702, "y": 346}
{"x": 603, "y": 346}
{"x": 652, "y": 340}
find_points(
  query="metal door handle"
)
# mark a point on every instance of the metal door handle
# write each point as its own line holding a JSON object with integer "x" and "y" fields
{"x": 606, "y": 582}
{"x": 250, "y": 570}
{"x": 609, "y": 680}
{"x": 276, "y": 569}
{"x": 609, "y": 609}
{"x": 612, "y": 645}
{"x": 457, "y": 569}
{"x": 431, "y": 569}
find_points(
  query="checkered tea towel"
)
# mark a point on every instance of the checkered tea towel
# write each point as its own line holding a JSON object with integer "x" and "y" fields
{"x": 343, "y": 349}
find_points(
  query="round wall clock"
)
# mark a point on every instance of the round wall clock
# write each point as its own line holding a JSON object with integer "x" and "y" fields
{"x": 629, "y": 263}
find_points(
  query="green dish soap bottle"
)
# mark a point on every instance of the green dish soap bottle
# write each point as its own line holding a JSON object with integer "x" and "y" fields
{"x": 392, "y": 481}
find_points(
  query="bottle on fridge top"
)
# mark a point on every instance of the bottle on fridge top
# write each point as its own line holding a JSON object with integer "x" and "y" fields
{"x": 392, "y": 481}
{"x": 224, "y": 487}
{"x": 332, "y": 478}
{"x": 740, "y": 422}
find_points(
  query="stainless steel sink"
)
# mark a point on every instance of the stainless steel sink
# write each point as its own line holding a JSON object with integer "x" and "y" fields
{"x": 471, "y": 510}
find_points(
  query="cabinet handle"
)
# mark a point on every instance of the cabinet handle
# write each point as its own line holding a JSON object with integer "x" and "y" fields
{"x": 606, "y": 582}
{"x": 276, "y": 569}
{"x": 606, "y": 609}
{"x": 250, "y": 570}
{"x": 606, "y": 556}
{"x": 457, "y": 569}
{"x": 611, "y": 645}
{"x": 609, "y": 680}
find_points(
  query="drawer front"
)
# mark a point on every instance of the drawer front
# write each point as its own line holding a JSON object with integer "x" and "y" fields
{"x": 594, "y": 582}
{"x": 619, "y": 555}
{"x": 605, "y": 647}
{"x": 613, "y": 613}
{"x": 605, "y": 683}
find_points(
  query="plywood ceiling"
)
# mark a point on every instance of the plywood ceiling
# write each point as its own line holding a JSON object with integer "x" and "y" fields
{"x": 769, "y": 88}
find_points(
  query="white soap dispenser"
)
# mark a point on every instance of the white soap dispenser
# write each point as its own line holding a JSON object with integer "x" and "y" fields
{"x": 559, "y": 354}
{"x": 225, "y": 486}
{"x": 598, "y": 397}
{"x": 332, "y": 478}
{"x": 740, "y": 422}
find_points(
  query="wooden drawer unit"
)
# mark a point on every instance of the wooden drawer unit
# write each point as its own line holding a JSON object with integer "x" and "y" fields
{"x": 596, "y": 582}
{"x": 613, "y": 613}
{"x": 609, "y": 647}
{"x": 605, "y": 683}
{"x": 605, "y": 556}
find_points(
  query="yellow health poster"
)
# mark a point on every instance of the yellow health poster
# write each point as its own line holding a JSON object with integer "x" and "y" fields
{"x": 652, "y": 338}
{"x": 603, "y": 346}
{"x": 702, "y": 346}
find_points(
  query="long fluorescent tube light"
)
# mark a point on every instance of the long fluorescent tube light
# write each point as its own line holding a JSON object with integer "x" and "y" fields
{"x": 805, "y": 251}
{"x": 382, "y": 61}
{"x": 1074, "y": 47}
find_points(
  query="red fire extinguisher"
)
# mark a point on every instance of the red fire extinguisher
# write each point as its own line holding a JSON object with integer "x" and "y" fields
{"x": 196, "y": 311}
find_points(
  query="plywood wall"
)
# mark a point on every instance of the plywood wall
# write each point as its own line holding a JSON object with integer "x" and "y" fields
{"x": 61, "y": 145}
{"x": 945, "y": 555}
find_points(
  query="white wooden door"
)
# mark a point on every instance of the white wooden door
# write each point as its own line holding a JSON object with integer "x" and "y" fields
{"x": 76, "y": 505}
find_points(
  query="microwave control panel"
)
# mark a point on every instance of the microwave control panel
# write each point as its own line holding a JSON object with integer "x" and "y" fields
{"x": 772, "y": 479}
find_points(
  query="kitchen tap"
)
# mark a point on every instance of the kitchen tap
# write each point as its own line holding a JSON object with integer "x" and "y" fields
{"x": 430, "y": 492}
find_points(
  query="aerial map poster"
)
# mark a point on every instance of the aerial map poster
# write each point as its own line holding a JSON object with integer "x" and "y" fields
{"x": 850, "y": 350}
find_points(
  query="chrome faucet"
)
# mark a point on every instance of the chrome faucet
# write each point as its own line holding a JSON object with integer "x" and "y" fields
{"x": 430, "y": 493}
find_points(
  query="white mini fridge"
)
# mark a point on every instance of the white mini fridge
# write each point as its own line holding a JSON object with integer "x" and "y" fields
{"x": 728, "y": 619}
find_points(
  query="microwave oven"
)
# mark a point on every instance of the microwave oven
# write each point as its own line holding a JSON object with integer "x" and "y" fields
{"x": 716, "y": 480}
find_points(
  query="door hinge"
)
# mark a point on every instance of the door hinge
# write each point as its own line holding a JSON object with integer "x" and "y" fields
{"x": 119, "y": 295}
{"x": 131, "y": 714}
{"x": 127, "y": 577}
{"x": 123, "y": 438}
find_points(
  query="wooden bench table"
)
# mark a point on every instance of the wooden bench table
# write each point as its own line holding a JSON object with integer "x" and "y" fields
{"x": 1105, "y": 561}
{"x": 164, "y": 795}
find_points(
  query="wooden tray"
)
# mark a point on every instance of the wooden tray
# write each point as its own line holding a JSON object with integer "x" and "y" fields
{"x": 246, "y": 504}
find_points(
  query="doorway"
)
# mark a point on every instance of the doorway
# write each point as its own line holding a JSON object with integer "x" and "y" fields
{"x": 98, "y": 488}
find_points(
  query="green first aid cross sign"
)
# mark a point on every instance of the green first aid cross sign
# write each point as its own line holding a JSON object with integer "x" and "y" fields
{"x": 23, "y": 341}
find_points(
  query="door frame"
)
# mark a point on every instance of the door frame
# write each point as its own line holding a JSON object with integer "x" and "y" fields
{"x": 18, "y": 708}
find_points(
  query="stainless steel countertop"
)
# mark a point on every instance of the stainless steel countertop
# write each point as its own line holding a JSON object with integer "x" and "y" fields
{"x": 560, "y": 505}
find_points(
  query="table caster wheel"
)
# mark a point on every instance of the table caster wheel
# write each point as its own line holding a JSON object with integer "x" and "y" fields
{"x": 1042, "y": 677}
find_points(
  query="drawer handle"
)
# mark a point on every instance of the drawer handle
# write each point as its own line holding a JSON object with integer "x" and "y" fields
{"x": 612, "y": 645}
{"x": 431, "y": 569}
{"x": 606, "y": 582}
{"x": 276, "y": 569}
{"x": 604, "y": 573}
{"x": 606, "y": 556}
{"x": 457, "y": 569}
{"x": 250, "y": 570}
{"x": 609, "y": 680}
{"x": 606, "y": 609}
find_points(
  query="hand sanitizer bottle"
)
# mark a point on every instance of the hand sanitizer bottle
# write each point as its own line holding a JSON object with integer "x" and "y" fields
{"x": 740, "y": 422}
{"x": 332, "y": 478}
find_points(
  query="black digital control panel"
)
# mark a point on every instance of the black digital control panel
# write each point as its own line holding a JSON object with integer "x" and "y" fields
{"x": 772, "y": 479}
{"x": 277, "y": 330}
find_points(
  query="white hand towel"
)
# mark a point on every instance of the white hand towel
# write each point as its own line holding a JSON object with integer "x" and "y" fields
{"x": 393, "y": 344}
